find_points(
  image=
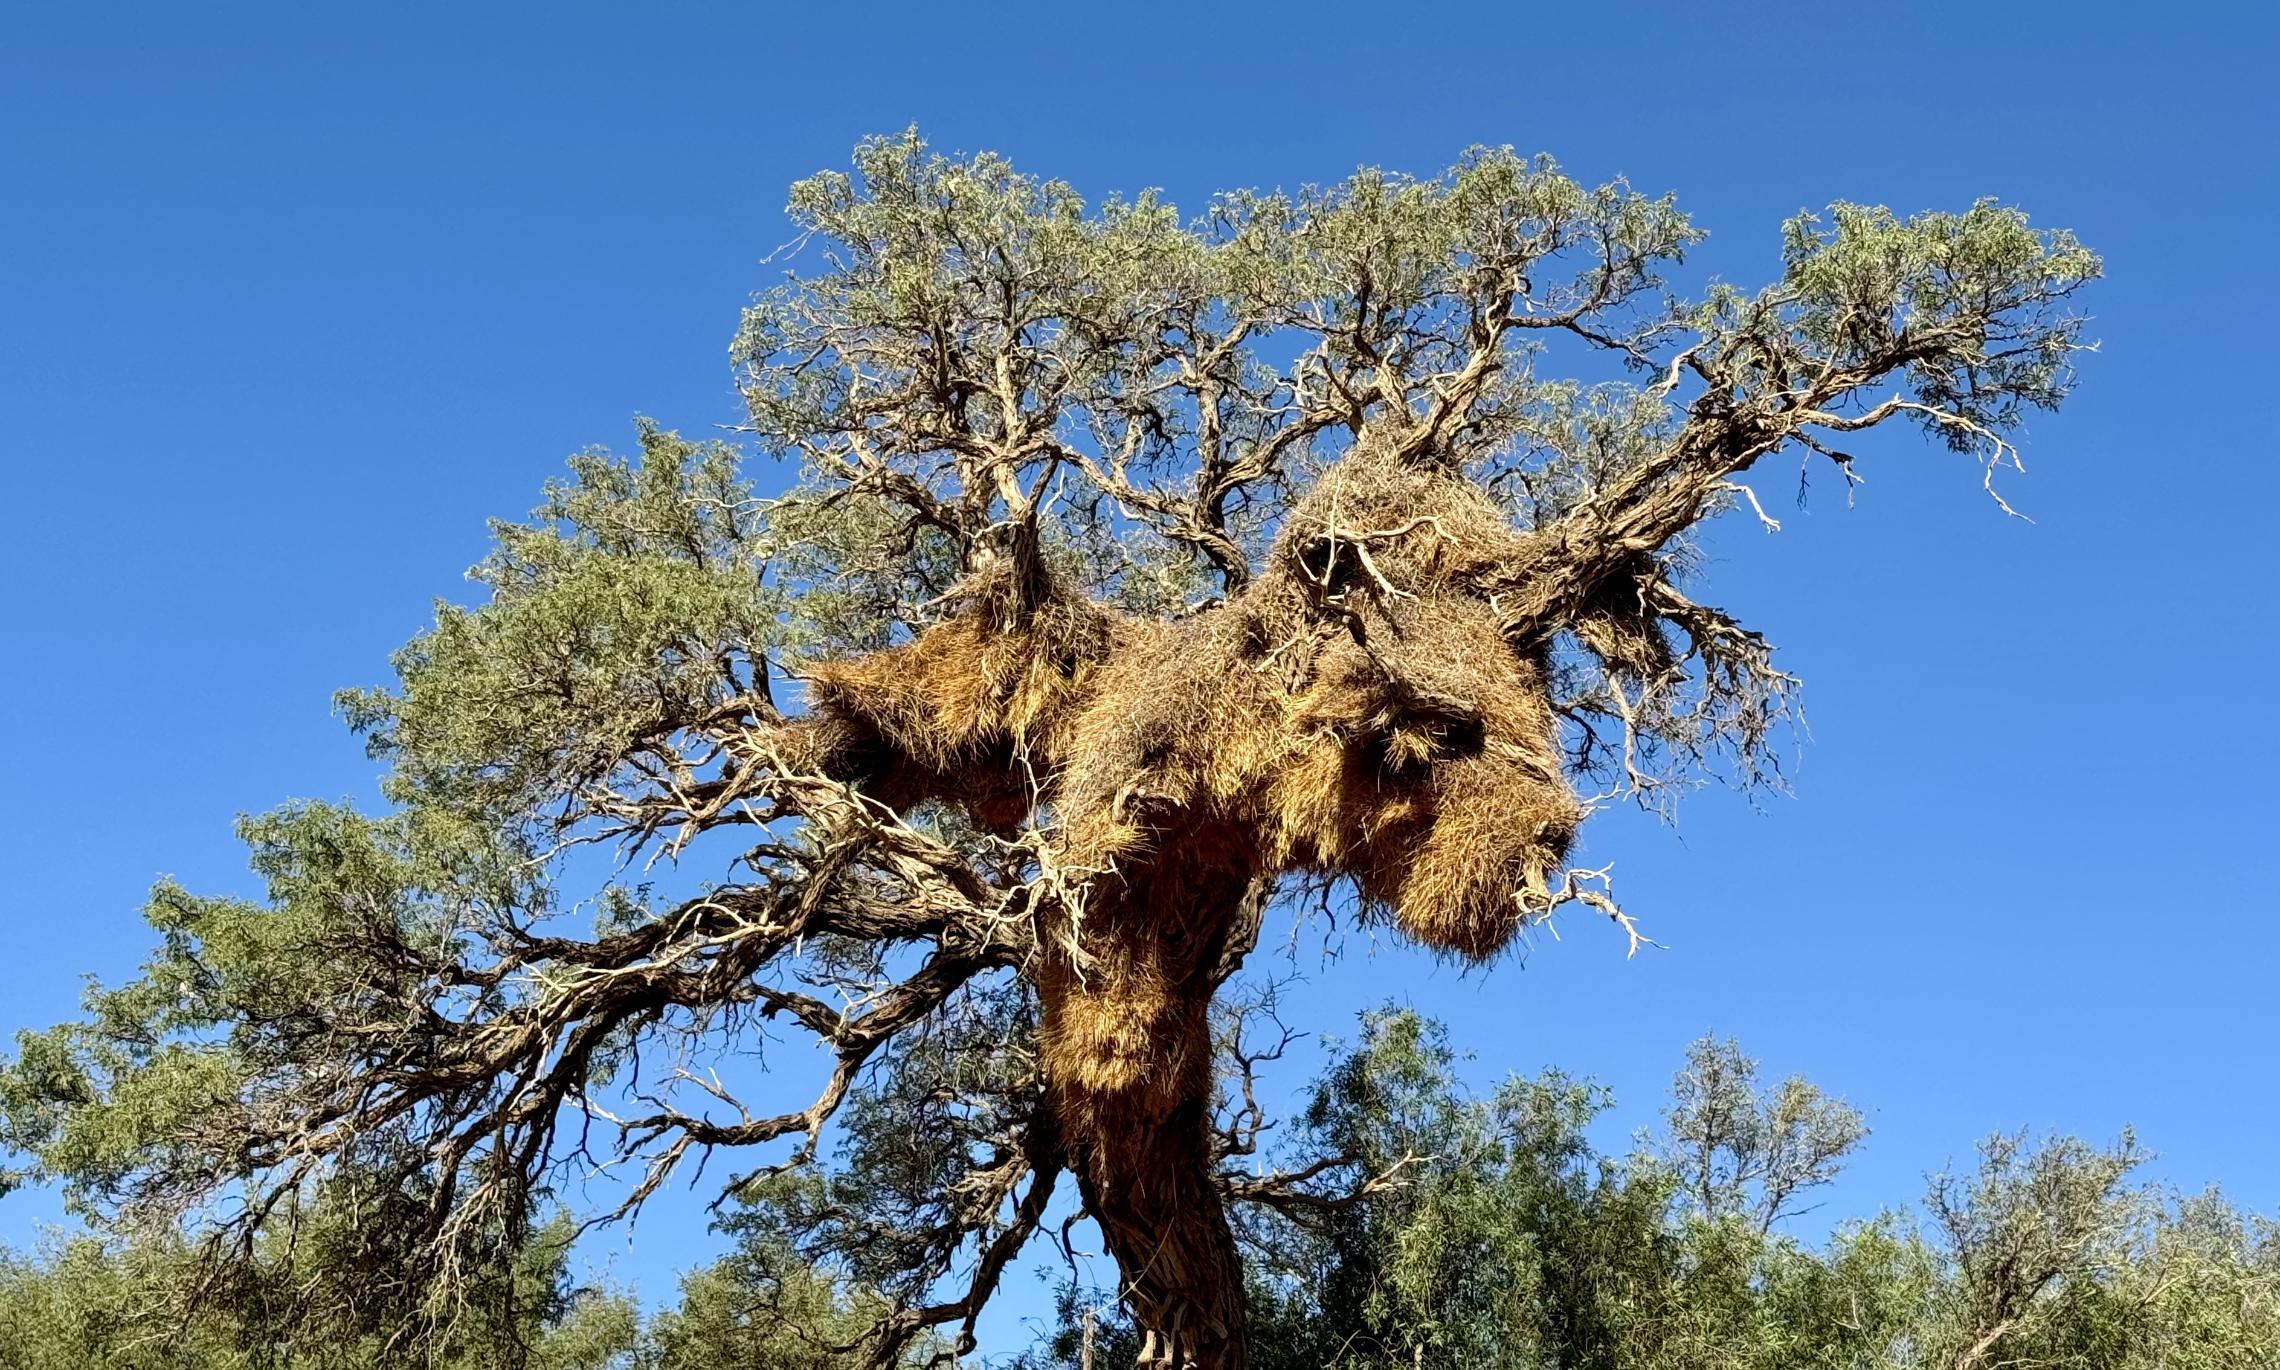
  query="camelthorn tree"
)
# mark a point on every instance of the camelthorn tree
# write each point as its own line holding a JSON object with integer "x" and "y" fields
{"x": 1137, "y": 569}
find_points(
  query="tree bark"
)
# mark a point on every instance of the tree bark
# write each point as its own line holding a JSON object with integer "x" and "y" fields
{"x": 1146, "y": 1177}
{"x": 1128, "y": 1055}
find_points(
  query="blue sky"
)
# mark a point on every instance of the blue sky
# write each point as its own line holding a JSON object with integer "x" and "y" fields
{"x": 292, "y": 298}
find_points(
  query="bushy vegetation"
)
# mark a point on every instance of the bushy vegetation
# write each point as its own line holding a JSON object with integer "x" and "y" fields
{"x": 1487, "y": 1230}
{"x": 1508, "y": 1238}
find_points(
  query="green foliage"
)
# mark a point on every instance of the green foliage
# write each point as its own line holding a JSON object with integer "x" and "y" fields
{"x": 1747, "y": 1153}
{"x": 1504, "y": 1237}
{"x": 1456, "y": 1230}
{"x": 156, "y": 1083}
{"x": 1499, "y": 1229}
{"x": 763, "y": 1307}
{"x": 633, "y": 599}
{"x": 1970, "y": 299}
{"x": 325, "y": 1289}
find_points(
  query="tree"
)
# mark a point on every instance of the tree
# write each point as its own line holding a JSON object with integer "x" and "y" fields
{"x": 1137, "y": 571}
{"x": 1749, "y": 1154}
{"x": 318, "y": 1291}
{"x": 1512, "y": 1242}
{"x": 763, "y": 1307}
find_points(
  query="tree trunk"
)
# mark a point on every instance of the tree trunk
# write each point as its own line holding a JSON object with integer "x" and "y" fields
{"x": 1146, "y": 1177}
{"x": 1129, "y": 1057}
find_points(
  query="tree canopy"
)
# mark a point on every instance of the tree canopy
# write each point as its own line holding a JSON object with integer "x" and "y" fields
{"x": 1135, "y": 571}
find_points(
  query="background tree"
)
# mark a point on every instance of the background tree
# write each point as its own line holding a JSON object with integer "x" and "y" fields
{"x": 1512, "y": 1240}
{"x": 1434, "y": 1226}
{"x": 320, "y": 1290}
{"x": 1137, "y": 571}
{"x": 1749, "y": 1154}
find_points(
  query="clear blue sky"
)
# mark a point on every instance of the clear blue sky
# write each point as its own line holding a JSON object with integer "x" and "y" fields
{"x": 293, "y": 297}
